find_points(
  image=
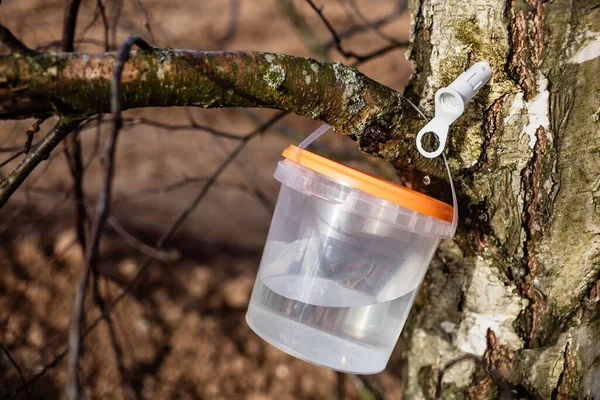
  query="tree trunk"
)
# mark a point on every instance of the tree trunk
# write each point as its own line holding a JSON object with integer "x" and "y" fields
{"x": 519, "y": 287}
{"x": 510, "y": 308}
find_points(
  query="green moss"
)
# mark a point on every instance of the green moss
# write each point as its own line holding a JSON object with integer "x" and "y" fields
{"x": 469, "y": 34}
{"x": 480, "y": 47}
{"x": 451, "y": 67}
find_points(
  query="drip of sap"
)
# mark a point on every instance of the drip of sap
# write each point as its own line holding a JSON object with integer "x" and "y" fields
{"x": 345, "y": 334}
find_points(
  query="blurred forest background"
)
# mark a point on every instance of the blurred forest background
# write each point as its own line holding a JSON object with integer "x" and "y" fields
{"x": 181, "y": 332}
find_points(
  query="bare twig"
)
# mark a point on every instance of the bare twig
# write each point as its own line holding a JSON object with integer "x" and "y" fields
{"x": 159, "y": 245}
{"x": 100, "y": 12}
{"x": 192, "y": 126}
{"x": 129, "y": 123}
{"x": 69, "y": 24}
{"x": 147, "y": 25}
{"x": 13, "y": 362}
{"x": 11, "y": 158}
{"x": 189, "y": 180}
{"x": 12, "y": 42}
{"x": 377, "y": 53}
{"x": 338, "y": 41}
{"x": 105, "y": 23}
{"x": 79, "y": 196}
{"x": 234, "y": 15}
{"x": 374, "y": 28}
{"x": 248, "y": 172}
{"x": 303, "y": 30}
{"x": 114, "y": 26}
{"x": 183, "y": 216}
{"x": 165, "y": 256}
{"x": 75, "y": 159}
{"x": 33, "y": 129}
{"x": 10, "y": 149}
{"x": 102, "y": 212}
{"x": 378, "y": 23}
{"x": 58, "y": 43}
{"x": 40, "y": 152}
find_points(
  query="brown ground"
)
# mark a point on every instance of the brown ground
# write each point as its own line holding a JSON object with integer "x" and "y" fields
{"x": 182, "y": 333}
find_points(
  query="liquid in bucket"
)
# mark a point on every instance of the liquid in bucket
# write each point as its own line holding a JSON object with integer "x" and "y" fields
{"x": 348, "y": 337}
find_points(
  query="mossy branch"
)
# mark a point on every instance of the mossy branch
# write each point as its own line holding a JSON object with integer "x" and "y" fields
{"x": 79, "y": 84}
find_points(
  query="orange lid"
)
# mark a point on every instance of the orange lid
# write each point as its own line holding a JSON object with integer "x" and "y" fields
{"x": 371, "y": 184}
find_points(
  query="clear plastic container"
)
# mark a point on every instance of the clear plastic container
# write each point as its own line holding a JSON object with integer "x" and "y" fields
{"x": 341, "y": 266}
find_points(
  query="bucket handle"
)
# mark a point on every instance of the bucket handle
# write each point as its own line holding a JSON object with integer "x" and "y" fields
{"x": 325, "y": 127}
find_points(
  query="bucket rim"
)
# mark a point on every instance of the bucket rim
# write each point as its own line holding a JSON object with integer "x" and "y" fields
{"x": 373, "y": 185}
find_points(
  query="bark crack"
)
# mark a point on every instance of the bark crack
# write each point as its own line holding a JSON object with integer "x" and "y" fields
{"x": 568, "y": 376}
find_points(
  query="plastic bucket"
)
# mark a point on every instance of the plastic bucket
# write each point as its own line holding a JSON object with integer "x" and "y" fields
{"x": 344, "y": 258}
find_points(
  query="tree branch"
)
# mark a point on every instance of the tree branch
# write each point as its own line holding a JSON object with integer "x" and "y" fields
{"x": 102, "y": 212}
{"x": 110, "y": 307}
{"x": 39, "y": 153}
{"x": 69, "y": 24}
{"x": 33, "y": 129}
{"x": 338, "y": 41}
{"x": 12, "y": 42}
{"x": 80, "y": 84}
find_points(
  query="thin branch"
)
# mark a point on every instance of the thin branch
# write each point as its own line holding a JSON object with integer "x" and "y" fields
{"x": 10, "y": 159}
{"x": 115, "y": 21}
{"x": 74, "y": 158}
{"x": 13, "y": 362}
{"x": 159, "y": 245}
{"x": 130, "y": 122}
{"x": 234, "y": 15}
{"x": 147, "y": 25}
{"x": 249, "y": 173}
{"x": 377, "y": 53}
{"x": 189, "y": 180}
{"x": 57, "y": 44}
{"x": 100, "y": 12}
{"x": 69, "y": 24}
{"x": 79, "y": 196}
{"x": 33, "y": 129}
{"x": 12, "y": 42}
{"x": 302, "y": 29}
{"x": 10, "y": 149}
{"x": 38, "y": 154}
{"x": 164, "y": 256}
{"x": 105, "y": 23}
{"x": 371, "y": 26}
{"x": 183, "y": 216}
{"x": 378, "y": 23}
{"x": 102, "y": 212}
{"x": 338, "y": 41}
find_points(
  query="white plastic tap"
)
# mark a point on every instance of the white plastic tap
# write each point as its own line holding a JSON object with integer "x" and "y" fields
{"x": 450, "y": 104}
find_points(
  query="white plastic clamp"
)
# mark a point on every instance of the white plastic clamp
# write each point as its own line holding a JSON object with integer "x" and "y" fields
{"x": 450, "y": 104}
